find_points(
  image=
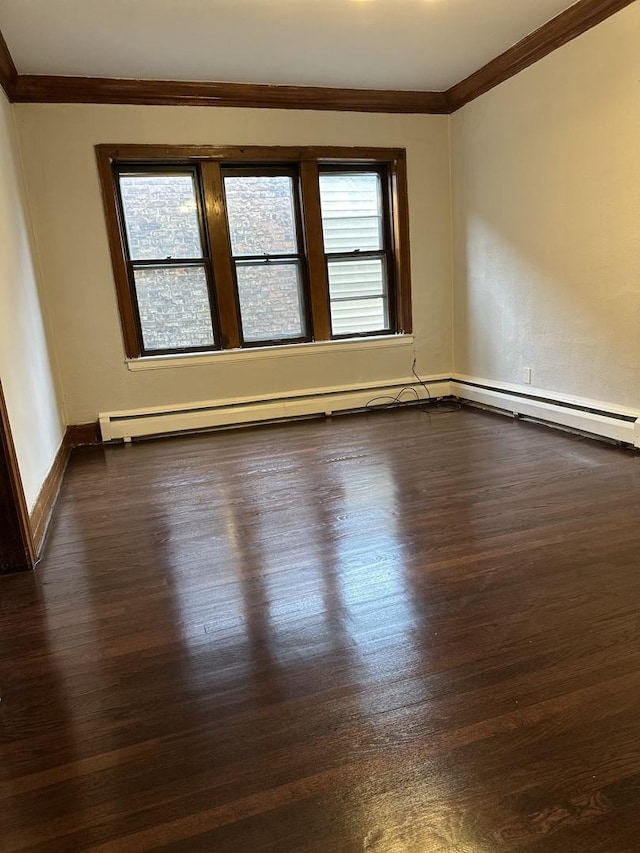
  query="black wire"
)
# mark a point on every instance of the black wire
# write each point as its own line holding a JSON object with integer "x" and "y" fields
{"x": 431, "y": 406}
{"x": 390, "y": 402}
{"x": 439, "y": 408}
{"x": 420, "y": 380}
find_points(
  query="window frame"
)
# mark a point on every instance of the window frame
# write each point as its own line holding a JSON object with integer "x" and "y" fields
{"x": 206, "y": 261}
{"x": 275, "y": 170}
{"x": 387, "y": 250}
{"x": 208, "y": 164}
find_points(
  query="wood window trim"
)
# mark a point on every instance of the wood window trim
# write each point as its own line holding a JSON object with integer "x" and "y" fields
{"x": 308, "y": 160}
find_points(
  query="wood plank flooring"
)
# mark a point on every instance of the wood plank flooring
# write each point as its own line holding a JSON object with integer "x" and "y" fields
{"x": 389, "y": 633}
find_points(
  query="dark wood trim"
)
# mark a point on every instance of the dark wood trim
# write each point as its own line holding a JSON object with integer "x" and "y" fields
{"x": 42, "y": 512}
{"x": 30, "y": 88}
{"x": 8, "y": 73}
{"x": 106, "y": 90}
{"x": 17, "y": 550}
{"x": 312, "y": 216}
{"x": 45, "y": 502}
{"x": 109, "y": 153}
{"x": 132, "y": 345}
{"x": 557, "y": 32}
{"x": 220, "y": 249}
{"x": 80, "y": 434}
{"x": 401, "y": 250}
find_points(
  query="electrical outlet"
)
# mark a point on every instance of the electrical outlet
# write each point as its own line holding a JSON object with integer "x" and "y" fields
{"x": 527, "y": 376}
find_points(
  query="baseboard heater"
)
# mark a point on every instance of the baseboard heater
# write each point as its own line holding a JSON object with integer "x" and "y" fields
{"x": 145, "y": 423}
{"x": 580, "y": 415}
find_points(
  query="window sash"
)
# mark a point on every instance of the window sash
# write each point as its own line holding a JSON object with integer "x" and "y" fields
{"x": 266, "y": 172}
{"x": 265, "y": 263}
{"x": 298, "y": 257}
{"x": 382, "y": 207}
{"x": 386, "y": 252}
{"x": 384, "y": 296}
{"x": 161, "y": 170}
{"x": 160, "y": 350}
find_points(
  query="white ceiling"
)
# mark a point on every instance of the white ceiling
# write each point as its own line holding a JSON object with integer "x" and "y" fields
{"x": 373, "y": 44}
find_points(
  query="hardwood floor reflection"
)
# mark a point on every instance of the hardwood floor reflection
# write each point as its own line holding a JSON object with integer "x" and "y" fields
{"x": 389, "y": 632}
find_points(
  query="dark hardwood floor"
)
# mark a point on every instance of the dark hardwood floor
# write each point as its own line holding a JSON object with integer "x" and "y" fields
{"x": 390, "y": 632}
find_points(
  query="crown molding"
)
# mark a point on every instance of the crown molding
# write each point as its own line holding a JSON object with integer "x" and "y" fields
{"x": 105, "y": 90}
{"x": 568, "y": 25}
{"x": 565, "y": 27}
{"x": 8, "y": 73}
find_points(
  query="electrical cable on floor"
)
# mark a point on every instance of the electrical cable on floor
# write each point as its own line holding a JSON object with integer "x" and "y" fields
{"x": 439, "y": 408}
{"x": 430, "y": 406}
{"x": 390, "y": 402}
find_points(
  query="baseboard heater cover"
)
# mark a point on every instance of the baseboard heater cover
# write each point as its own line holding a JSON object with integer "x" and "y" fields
{"x": 585, "y": 416}
{"x": 145, "y": 423}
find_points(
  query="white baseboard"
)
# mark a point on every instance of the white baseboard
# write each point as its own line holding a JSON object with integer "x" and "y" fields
{"x": 584, "y": 415}
{"x": 595, "y": 417}
{"x": 245, "y": 410}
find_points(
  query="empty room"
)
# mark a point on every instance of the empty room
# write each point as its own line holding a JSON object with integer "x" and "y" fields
{"x": 319, "y": 426}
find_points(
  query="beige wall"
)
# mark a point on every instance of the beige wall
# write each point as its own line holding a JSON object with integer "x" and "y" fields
{"x": 25, "y": 368}
{"x": 547, "y": 221}
{"x": 57, "y": 145}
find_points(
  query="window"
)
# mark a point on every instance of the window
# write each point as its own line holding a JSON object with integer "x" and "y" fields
{"x": 167, "y": 259}
{"x": 263, "y": 217}
{"x": 217, "y": 248}
{"x": 356, "y": 244}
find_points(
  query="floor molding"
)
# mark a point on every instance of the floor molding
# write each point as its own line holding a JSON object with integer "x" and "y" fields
{"x": 44, "y": 506}
{"x": 75, "y": 435}
{"x": 81, "y": 434}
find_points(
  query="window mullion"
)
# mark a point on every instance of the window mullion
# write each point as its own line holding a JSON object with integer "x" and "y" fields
{"x": 314, "y": 241}
{"x": 219, "y": 243}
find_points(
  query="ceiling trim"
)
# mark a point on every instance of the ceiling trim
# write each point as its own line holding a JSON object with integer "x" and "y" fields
{"x": 106, "y": 90}
{"x": 568, "y": 25}
{"x": 557, "y": 32}
{"x": 8, "y": 73}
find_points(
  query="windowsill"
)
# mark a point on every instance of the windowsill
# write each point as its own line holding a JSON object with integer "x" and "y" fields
{"x": 165, "y": 362}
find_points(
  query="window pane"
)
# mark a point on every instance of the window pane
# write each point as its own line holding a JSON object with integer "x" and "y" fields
{"x": 351, "y": 279}
{"x": 174, "y": 307}
{"x": 161, "y": 216}
{"x": 351, "y": 211}
{"x": 358, "y": 294}
{"x": 261, "y": 215}
{"x": 358, "y": 317}
{"x": 270, "y": 301}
